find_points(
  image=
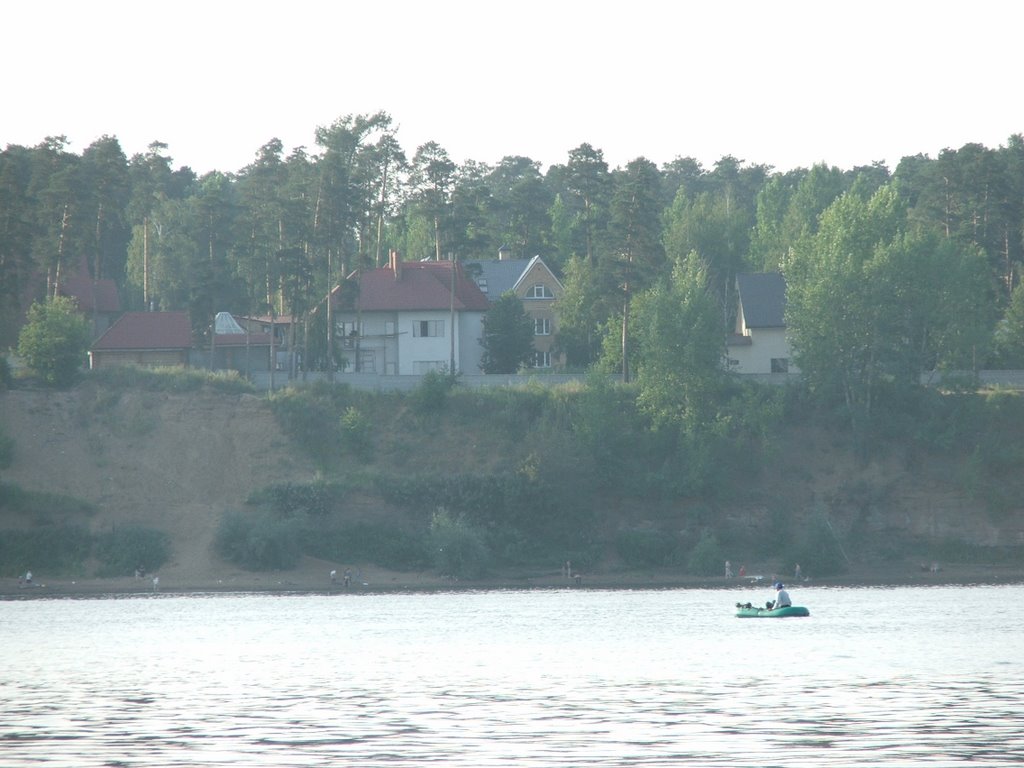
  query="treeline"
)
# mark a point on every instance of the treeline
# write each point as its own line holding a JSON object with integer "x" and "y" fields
{"x": 276, "y": 235}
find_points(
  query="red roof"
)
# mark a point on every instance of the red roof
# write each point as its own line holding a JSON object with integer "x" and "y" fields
{"x": 148, "y": 330}
{"x": 92, "y": 295}
{"x": 420, "y": 285}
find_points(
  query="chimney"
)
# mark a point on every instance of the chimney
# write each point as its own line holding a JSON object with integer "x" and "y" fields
{"x": 395, "y": 264}
{"x": 504, "y": 253}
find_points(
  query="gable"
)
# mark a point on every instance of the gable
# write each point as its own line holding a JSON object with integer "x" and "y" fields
{"x": 538, "y": 272}
{"x": 497, "y": 277}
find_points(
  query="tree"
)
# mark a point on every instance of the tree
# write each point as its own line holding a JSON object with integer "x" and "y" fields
{"x": 634, "y": 233}
{"x": 681, "y": 347}
{"x": 105, "y": 196}
{"x": 870, "y": 304}
{"x": 584, "y": 189}
{"x": 508, "y": 336}
{"x": 1009, "y": 338}
{"x": 54, "y": 341}
{"x": 433, "y": 176}
{"x": 16, "y": 236}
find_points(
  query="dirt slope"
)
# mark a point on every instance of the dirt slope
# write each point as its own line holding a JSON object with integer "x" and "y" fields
{"x": 170, "y": 461}
{"x": 177, "y": 461}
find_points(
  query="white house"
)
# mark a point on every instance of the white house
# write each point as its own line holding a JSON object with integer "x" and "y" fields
{"x": 759, "y": 343}
{"x": 409, "y": 318}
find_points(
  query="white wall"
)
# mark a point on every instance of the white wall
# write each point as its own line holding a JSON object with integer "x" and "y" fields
{"x": 766, "y": 344}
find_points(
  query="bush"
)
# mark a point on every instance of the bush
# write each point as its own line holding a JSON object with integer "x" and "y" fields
{"x": 6, "y": 449}
{"x": 432, "y": 393}
{"x": 706, "y": 557}
{"x": 645, "y": 548}
{"x": 49, "y": 549}
{"x": 819, "y": 549}
{"x": 123, "y": 550}
{"x": 317, "y": 499}
{"x": 358, "y": 432}
{"x": 383, "y": 545}
{"x": 171, "y": 379}
{"x": 41, "y": 505}
{"x": 309, "y": 416}
{"x": 262, "y": 543}
{"x": 54, "y": 341}
{"x": 458, "y": 548}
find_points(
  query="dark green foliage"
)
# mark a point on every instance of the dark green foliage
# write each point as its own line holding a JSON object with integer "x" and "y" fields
{"x": 171, "y": 379}
{"x": 642, "y": 548}
{"x": 431, "y": 395}
{"x": 457, "y": 546}
{"x": 46, "y": 550}
{"x": 526, "y": 516}
{"x": 610, "y": 429}
{"x": 508, "y": 336}
{"x": 706, "y": 558}
{"x": 385, "y": 545}
{"x": 6, "y": 379}
{"x": 54, "y": 341}
{"x": 41, "y": 506}
{"x": 124, "y": 549}
{"x": 357, "y": 433}
{"x": 6, "y": 449}
{"x": 310, "y": 417}
{"x": 261, "y": 543}
{"x": 317, "y": 499}
{"x": 818, "y": 548}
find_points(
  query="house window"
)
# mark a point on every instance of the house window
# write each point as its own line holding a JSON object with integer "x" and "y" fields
{"x": 424, "y": 328}
{"x": 541, "y": 326}
{"x": 348, "y": 331}
{"x": 541, "y": 359}
{"x": 389, "y": 327}
{"x": 780, "y": 365}
{"x": 482, "y": 284}
{"x": 539, "y": 291}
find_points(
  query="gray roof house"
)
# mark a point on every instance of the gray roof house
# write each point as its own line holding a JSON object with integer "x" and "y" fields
{"x": 758, "y": 343}
{"x": 537, "y": 288}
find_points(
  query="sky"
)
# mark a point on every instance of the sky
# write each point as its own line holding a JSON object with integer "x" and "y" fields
{"x": 783, "y": 84}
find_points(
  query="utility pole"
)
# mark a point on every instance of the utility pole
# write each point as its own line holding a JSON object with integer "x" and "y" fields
{"x": 451, "y": 362}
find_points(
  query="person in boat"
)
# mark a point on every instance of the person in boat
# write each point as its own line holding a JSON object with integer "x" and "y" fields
{"x": 782, "y": 599}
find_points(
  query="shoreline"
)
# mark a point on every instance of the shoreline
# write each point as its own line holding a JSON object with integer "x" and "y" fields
{"x": 385, "y": 582}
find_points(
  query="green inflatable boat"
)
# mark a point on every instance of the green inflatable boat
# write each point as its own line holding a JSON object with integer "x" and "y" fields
{"x": 748, "y": 611}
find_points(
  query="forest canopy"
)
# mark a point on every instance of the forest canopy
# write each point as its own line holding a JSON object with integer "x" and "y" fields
{"x": 275, "y": 236}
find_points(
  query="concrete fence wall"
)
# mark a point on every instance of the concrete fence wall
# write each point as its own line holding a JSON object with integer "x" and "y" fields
{"x": 375, "y": 382}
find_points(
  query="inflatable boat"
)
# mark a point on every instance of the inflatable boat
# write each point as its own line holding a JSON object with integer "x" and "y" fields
{"x": 748, "y": 611}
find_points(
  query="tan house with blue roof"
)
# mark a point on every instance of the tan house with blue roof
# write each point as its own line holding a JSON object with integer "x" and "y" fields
{"x": 537, "y": 288}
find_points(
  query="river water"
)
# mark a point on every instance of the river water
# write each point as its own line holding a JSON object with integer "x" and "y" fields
{"x": 880, "y": 677}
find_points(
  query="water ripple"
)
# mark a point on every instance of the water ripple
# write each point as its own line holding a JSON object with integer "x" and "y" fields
{"x": 529, "y": 680}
